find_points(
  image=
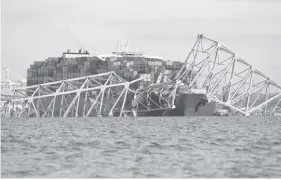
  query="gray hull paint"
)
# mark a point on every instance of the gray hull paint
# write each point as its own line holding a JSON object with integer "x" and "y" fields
{"x": 187, "y": 103}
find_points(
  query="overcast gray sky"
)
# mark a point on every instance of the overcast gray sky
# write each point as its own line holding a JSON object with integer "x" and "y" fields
{"x": 33, "y": 30}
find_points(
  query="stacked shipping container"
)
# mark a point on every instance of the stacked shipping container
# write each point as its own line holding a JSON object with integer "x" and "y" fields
{"x": 128, "y": 67}
{"x": 56, "y": 69}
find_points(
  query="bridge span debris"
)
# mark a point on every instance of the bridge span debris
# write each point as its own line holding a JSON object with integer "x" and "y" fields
{"x": 226, "y": 79}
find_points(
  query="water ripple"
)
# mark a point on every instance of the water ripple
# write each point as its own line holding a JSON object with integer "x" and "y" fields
{"x": 143, "y": 147}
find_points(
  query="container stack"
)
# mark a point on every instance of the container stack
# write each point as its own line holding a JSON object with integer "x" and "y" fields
{"x": 102, "y": 66}
{"x": 62, "y": 68}
{"x": 173, "y": 65}
{"x": 73, "y": 65}
{"x": 32, "y": 74}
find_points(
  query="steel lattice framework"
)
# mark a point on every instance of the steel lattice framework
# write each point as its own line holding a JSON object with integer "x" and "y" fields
{"x": 226, "y": 78}
{"x": 97, "y": 95}
{"x": 157, "y": 97}
{"x": 229, "y": 80}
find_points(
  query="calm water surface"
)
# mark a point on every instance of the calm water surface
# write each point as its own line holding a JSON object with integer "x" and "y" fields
{"x": 142, "y": 147}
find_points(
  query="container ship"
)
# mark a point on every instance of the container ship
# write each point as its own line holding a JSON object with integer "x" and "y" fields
{"x": 129, "y": 65}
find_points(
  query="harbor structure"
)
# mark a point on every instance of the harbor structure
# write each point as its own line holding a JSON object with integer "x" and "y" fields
{"x": 8, "y": 84}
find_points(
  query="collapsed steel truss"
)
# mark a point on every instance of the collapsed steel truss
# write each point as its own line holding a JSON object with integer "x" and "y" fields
{"x": 97, "y": 95}
{"x": 228, "y": 80}
{"x": 162, "y": 96}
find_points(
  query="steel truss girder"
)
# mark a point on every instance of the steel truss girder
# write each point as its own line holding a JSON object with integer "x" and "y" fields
{"x": 103, "y": 94}
{"x": 229, "y": 80}
{"x": 162, "y": 96}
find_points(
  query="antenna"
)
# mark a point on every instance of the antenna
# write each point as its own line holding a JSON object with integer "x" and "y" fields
{"x": 6, "y": 74}
{"x": 122, "y": 46}
{"x": 127, "y": 46}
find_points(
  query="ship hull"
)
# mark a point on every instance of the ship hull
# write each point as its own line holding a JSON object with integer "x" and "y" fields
{"x": 187, "y": 107}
